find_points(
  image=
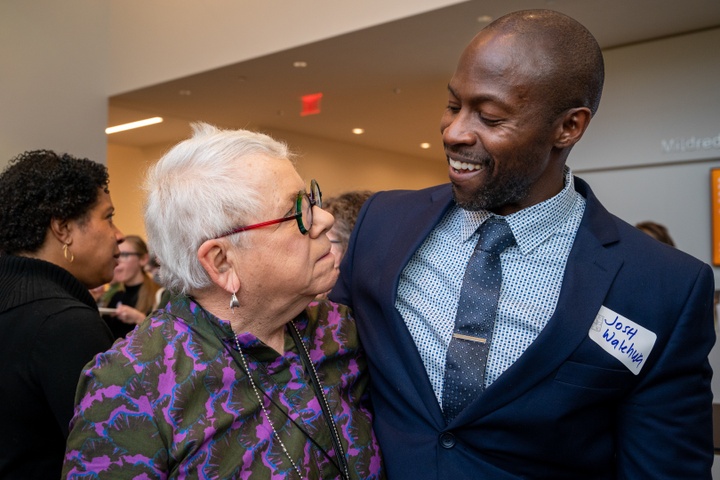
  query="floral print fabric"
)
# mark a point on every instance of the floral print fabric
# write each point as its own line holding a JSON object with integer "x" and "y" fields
{"x": 173, "y": 401}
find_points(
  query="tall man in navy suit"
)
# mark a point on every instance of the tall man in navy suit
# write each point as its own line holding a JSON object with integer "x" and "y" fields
{"x": 597, "y": 364}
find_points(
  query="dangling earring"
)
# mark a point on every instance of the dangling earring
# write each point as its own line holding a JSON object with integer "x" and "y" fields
{"x": 234, "y": 302}
{"x": 67, "y": 251}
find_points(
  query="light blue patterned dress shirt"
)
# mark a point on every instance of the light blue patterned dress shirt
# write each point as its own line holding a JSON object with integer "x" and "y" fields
{"x": 533, "y": 269}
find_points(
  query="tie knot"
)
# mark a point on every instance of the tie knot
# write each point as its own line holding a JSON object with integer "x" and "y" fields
{"x": 495, "y": 236}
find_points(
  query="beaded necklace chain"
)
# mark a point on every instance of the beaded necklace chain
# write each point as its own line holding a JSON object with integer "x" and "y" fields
{"x": 327, "y": 406}
{"x": 330, "y": 420}
{"x": 262, "y": 405}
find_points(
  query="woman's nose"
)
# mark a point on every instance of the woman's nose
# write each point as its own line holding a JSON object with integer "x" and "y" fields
{"x": 322, "y": 221}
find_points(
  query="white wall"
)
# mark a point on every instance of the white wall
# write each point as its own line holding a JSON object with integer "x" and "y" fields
{"x": 657, "y": 93}
{"x": 53, "y": 58}
{"x": 654, "y": 92}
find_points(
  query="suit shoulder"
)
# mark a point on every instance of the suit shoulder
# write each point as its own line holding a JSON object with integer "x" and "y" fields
{"x": 628, "y": 241}
{"x": 409, "y": 197}
{"x": 652, "y": 251}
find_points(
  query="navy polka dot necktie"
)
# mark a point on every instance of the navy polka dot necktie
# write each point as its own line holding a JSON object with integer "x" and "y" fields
{"x": 475, "y": 319}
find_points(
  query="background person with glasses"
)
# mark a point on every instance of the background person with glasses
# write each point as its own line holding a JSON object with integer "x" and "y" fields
{"x": 240, "y": 374}
{"x": 132, "y": 293}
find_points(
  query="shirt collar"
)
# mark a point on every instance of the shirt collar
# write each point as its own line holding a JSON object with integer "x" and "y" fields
{"x": 533, "y": 225}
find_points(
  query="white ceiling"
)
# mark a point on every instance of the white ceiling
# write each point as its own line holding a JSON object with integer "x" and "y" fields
{"x": 390, "y": 79}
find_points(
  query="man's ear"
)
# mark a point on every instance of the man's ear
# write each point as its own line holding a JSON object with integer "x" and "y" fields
{"x": 213, "y": 256}
{"x": 61, "y": 230}
{"x": 572, "y": 127}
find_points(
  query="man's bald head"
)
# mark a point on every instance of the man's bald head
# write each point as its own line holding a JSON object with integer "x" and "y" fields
{"x": 568, "y": 59}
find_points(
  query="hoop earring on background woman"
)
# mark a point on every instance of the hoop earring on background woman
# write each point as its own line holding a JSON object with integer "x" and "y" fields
{"x": 66, "y": 251}
{"x": 234, "y": 302}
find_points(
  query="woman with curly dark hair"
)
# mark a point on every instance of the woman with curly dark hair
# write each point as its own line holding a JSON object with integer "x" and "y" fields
{"x": 57, "y": 240}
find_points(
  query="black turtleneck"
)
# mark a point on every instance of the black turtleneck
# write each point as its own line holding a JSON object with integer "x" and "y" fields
{"x": 49, "y": 329}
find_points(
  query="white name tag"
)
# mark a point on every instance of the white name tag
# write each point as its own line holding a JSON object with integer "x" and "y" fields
{"x": 622, "y": 338}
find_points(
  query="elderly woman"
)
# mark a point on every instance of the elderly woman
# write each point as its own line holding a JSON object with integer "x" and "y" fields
{"x": 57, "y": 241}
{"x": 239, "y": 377}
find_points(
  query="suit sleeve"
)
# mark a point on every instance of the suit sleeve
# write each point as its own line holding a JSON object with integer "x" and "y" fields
{"x": 665, "y": 427}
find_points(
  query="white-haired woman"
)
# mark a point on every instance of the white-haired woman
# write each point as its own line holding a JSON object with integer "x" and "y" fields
{"x": 239, "y": 376}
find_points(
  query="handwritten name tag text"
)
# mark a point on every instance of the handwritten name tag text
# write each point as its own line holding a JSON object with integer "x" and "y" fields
{"x": 622, "y": 338}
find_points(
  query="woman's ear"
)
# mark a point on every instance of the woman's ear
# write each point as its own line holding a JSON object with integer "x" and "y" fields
{"x": 61, "y": 230}
{"x": 213, "y": 256}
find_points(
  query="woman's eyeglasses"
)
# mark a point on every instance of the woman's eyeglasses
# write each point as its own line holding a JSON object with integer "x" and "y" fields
{"x": 303, "y": 212}
{"x": 127, "y": 255}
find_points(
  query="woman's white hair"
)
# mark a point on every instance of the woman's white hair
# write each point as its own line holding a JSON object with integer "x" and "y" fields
{"x": 197, "y": 191}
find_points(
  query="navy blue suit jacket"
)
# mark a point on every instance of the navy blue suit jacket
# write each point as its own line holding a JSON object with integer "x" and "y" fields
{"x": 566, "y": 409}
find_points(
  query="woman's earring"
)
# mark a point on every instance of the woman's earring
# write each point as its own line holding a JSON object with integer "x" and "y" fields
{"x": 234, "y": 302}
{"x": 67, "y": 253}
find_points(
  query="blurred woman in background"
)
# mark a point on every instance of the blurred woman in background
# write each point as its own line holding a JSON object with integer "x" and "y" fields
{"x": 345, "y": 208}
{"x": 658, "y": 231}
{"x": 57, "y": 241}
{"x": 133, "y": 296}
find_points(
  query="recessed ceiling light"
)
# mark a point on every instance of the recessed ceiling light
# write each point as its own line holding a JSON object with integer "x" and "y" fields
{"x": 185, "y": 93}
{"x": 131, "y": 125}
{"x": 484, "y": 19}
{"x": 358, "y": 131}
{"x": 424, "y": 145}
{"x": 299, "y": 64}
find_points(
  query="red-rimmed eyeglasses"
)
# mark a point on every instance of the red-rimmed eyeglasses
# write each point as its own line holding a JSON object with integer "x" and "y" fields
{"x": 303, "y": 212}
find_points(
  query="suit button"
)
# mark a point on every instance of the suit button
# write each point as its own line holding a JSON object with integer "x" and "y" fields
{"x": 447, "y": 440}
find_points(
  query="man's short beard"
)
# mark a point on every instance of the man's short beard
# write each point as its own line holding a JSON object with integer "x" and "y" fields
{"x": 505, "y": 191}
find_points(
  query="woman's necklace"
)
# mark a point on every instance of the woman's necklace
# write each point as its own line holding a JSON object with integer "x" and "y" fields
{"x": 262, "y": 405}
{"x": 339, "y": 449}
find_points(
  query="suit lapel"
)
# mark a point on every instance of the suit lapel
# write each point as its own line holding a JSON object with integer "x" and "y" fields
{"x": 407, "y": 238}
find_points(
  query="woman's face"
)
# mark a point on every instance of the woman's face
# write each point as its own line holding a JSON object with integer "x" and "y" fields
{"x": 130, "y": 268}
{"x": 95, "y": 244}
{"x": 281, "y": 263}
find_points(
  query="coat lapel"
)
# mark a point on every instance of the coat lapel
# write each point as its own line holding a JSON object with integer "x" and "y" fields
{"x": 416, "y": 227}
{"x": 407, "y": 240}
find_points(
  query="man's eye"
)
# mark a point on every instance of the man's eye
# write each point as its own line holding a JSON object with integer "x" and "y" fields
{"x": 490, "y": 120}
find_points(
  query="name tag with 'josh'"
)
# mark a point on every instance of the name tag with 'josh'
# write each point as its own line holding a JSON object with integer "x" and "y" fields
{"x": 622, "y": 338}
